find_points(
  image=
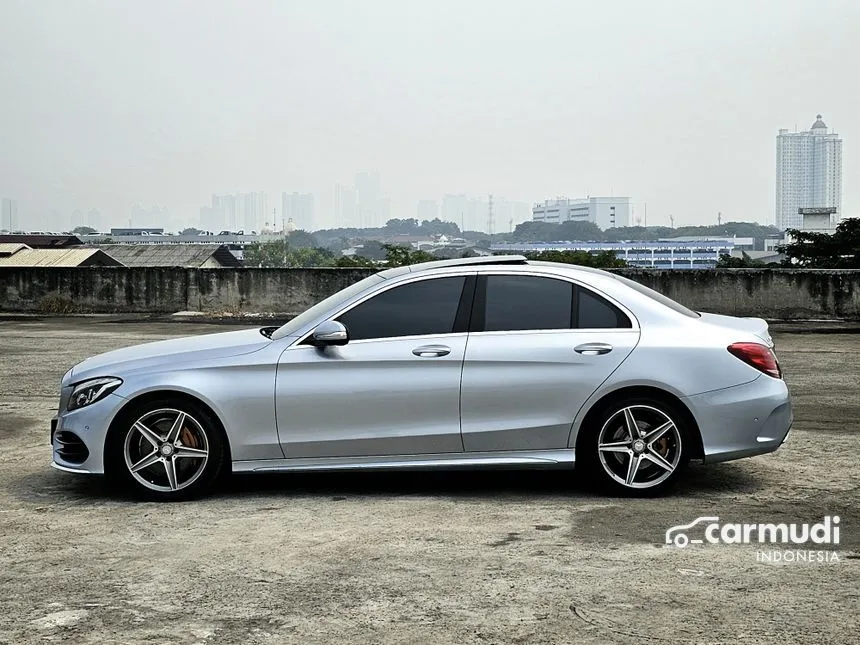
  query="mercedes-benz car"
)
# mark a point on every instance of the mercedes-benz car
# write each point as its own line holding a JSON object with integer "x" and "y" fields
{"x": 480, "y": 362}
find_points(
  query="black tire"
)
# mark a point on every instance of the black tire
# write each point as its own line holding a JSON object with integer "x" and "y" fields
{"x": 177, "y": 471}
{"x": 611, "y": 465}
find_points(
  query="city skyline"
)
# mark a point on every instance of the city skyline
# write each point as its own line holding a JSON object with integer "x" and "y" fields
{"x": 471, "y": 98}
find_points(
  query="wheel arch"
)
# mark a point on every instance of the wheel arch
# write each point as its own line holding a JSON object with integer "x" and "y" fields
{"x": 656, "y": 393}
{"x": 166, "y": 393}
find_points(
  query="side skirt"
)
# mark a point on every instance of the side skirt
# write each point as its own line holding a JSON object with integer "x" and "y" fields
{"x": 503, "y": 459}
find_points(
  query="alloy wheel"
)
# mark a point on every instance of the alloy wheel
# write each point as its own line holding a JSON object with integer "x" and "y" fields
{"x": 639, "y": 446}
{"x": 166, "y": 450}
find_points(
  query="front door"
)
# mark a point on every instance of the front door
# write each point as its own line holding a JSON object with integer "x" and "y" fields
{"x": 540, "y": 347}
{"x": 394, "y": 389}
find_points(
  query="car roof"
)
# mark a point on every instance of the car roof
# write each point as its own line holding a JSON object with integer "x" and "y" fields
{"x": 458, "y": 262}
{"x": 488, "y": 263}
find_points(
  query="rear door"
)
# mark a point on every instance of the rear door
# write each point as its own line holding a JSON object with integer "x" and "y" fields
{"x": 539, "y": 347}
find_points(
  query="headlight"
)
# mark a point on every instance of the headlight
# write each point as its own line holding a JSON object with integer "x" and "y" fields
{"x": 91, "y": 391}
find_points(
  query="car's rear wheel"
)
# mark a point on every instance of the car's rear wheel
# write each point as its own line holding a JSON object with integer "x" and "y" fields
{"x": 166, "y": 450}
{"x": 638, "y": 447}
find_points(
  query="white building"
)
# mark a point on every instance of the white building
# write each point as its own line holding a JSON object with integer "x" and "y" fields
{"x": 606, "y": 212}
{"x": 661, "y": 254}
{"x": 298, "y": 207}
{"x": 243, "y": 211}
{"x": 344, "y": 206}
{"x": 428, "y": 210}
{"x": 368, "y": 198}
{"x": 459, "y": 209}
{"x": 9, "y": 215}
{"x": 808, "y": 173}
{"x": 94, "y": 219}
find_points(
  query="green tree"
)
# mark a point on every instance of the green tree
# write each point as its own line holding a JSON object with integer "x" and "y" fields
{"x": 438, "y": 227}
{"x": 373, "y": 250}
{"x": 354, "y": 261}
{"x": 839, "y": 250}
{"x": 84, "y": 230}
{"x": 302, "y": 240}
{"x": 190, "y": 231}
{"x": 398, "y": 256}
{"x": 601, "y": 260}
{"x": 579, "y": 231}
{"x": 281, "y": 254}
{"x": 402, "y": 226}
{"x": 452, "y": 253}
{"x": 727, "y": 261}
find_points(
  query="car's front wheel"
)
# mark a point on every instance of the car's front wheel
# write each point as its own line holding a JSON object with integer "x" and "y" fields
{"x": 638, "y": 446}
{"x": 166, "y": 450}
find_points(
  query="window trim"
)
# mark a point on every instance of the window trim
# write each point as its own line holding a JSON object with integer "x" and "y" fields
{"x": 480, "y": 300}
{"x": 468, "y": 294}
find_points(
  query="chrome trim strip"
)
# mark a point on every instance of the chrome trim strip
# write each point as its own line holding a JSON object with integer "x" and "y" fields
{"x": 528, "y": 458}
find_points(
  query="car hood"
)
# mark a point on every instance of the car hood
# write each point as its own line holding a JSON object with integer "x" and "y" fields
{"x": 169, "y": 352}
{"x": 757, "y": 326}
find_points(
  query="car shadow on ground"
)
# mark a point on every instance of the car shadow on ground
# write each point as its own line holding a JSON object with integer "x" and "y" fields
{"x": 52, "y": 487}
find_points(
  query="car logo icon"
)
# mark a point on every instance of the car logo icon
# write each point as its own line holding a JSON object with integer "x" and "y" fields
{"x": 677, "y": 534}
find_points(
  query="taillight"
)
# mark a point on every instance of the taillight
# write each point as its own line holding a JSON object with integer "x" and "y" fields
{"x": 758, "y": 356}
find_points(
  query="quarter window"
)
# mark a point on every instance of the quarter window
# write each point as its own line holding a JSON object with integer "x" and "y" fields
{"x": 414, "y": 309}
{"x": 595, "y": 312}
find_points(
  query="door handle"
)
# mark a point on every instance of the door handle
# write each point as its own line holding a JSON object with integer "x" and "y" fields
{"x": 593, "y": 349}
{"x": 429, "y": 351}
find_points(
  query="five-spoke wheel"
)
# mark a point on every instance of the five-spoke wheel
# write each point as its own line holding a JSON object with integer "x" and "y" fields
{"x": 639, "y": 446}
{"x": 166, "y": 450}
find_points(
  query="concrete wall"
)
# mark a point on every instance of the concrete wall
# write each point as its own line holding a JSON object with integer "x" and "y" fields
{"x": 774, "y": 294}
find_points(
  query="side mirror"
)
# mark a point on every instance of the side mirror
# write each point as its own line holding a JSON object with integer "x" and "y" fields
{"x": 331, "y": 332}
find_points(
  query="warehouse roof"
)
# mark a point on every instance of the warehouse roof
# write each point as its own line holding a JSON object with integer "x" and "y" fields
{"x": 7, "y": 248}
{"x": 82, "y": 257}
{"x": 193, "y": 256}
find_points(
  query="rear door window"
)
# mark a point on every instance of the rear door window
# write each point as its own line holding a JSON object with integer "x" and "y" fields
{"x": 518, "y": 302}
{"x": 524, "y": 302}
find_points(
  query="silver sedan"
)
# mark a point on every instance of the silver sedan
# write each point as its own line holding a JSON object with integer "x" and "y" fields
{"x": 482, "y": 362}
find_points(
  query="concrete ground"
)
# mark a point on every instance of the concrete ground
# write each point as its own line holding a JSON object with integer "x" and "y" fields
{"x": 486, "y": 557}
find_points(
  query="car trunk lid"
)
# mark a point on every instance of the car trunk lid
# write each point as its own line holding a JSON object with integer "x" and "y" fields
{"x": 756, "y": 326}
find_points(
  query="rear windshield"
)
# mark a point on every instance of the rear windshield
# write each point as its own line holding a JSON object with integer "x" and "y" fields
{"x": 659, "y": 297}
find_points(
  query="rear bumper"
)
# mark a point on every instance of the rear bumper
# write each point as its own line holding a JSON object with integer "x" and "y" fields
{"x": 743, "y": 421}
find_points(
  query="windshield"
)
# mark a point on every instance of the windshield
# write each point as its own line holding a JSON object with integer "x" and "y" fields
{"x": 659, "y": 297}
{"x": 319, "y": 309}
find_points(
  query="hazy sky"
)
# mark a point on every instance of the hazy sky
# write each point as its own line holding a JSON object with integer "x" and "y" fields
{"x": 675, "y": 103}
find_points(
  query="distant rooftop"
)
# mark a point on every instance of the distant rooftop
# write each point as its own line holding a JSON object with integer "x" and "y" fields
{"x": 76, "y": 257}
{"x": 10, "y": 248}
{"x": 194, "y": 256}
{"x": 42, "y": 241}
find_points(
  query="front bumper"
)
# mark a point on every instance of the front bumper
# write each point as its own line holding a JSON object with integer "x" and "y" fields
{"x": 744, "y": 420}
{"x": 89, "y": 425}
